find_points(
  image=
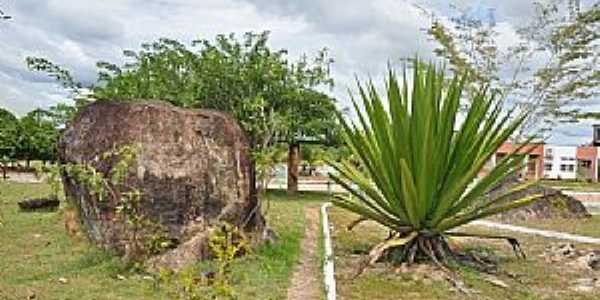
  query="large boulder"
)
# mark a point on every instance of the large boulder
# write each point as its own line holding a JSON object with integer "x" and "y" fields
{"x": 192, "y": 168}
{"x": 553, "y": 203}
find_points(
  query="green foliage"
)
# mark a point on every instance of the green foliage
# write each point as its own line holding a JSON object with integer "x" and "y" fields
{"x": 226, "y": 244}
{"x": 147, "y": 237}
{"x": 274, "y": 99}
{"x": 266, "y": 93}
{"x": 552, "y": 63}
{"x": 62, "y": 114}
{"x": 9, "y": 136}
{"x": 52, "y": 177}
{"x": 33, "y": 137}
{"x": 38, "y": 137}
{"x": 417, "y": 166}
{"x": 574, "y": 74}
{"x": 266, "y": 161}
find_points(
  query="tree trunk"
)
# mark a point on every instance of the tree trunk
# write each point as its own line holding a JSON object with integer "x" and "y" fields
{"x": 254, "y": 217}
{"x": 4, "y": 166}
{"x": 293, "y": 164}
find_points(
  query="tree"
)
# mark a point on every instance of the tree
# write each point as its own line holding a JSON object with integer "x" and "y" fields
{"x": 61, "y": 115}
{"x": 416, "y": 166}
{"x": 553, "y": 63}
{"x": 310, "y": 120}
{"x": 9, "y": 139}
{"x": 246, "y": 78}
{"x": 38, "y": 137}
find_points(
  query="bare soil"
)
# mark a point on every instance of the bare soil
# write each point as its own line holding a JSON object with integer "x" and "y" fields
{"x": 305, "y": 279}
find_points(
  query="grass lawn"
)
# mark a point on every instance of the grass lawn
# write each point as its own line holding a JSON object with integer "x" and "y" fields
{"x": 533, "y": 278}
{"x": 36, "y": 252}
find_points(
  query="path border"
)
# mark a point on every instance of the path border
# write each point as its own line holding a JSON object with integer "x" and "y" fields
{"x": 328, "y": 265}
{"x": 540, "y": 232}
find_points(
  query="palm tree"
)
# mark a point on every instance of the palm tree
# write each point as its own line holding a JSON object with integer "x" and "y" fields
{"x": 416, "y": 165}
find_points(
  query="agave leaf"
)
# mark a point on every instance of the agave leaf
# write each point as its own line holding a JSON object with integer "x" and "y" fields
{"x": 459, "y": 220}
{"x": 416, "y": 166}
{"x": 380, "y": 248}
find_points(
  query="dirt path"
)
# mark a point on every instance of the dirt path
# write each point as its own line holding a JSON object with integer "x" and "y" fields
{"x": 305, "y": 280}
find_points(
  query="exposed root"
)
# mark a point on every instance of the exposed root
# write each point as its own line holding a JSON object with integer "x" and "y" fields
{"x": 514, "y": 243}
{"x": 414, "y": 247}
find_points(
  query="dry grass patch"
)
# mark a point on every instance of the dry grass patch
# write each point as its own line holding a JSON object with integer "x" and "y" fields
{"x": 534, "y": 278}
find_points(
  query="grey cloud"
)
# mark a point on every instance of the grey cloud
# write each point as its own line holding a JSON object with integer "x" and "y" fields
{"x": 363, "y": 36}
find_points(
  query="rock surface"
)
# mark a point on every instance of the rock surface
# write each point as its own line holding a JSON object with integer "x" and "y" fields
{"x": 554, "y": 203}
{"x": 192, "y": 169}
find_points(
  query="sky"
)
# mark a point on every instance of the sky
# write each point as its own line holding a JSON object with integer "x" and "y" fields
{"x": 362, "y": 37}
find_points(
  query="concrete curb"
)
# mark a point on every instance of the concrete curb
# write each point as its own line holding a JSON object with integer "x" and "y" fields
{"x": 328, "y": 270}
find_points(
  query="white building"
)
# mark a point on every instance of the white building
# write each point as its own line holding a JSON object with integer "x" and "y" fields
{"x": 560, "y": 162}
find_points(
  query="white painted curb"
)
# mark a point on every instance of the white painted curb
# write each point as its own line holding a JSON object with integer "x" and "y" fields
{"x": 544, "y": 233}
{"x": 328, "y": 271}
{"x": 577, "y": 193}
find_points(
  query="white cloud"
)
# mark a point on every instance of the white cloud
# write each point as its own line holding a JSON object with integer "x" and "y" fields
{"x": 363, "y": 36}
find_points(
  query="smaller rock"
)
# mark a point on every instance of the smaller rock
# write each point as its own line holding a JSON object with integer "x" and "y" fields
{"x": 63, "y": 280}
{"x": 585, "y": 285}
{"x": 495, "y": 281}
{"x": 39, "y": 204}
{"x": 121, "y": 277}
{"x": 559, "y": 252}
{"x": 593, "y": 260}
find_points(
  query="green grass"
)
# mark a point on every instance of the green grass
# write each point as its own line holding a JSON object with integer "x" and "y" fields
{"x": 531, "y": 279}
{"x": 36, "y": 252}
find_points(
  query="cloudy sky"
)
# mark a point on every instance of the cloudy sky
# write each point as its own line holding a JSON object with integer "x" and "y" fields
{"x": 363, "y": 36}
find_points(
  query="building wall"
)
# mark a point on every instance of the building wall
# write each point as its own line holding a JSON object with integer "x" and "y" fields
{"x": 587, "y": 162}
{"x": 534, "y": 164}
{"x": 560, "y": 162}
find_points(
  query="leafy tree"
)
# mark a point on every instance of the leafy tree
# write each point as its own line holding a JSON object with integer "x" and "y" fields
{"x": 61, "y": 115}
{"x": 38, "y": 137}
{"x": 9, "y": 139}
{"x": 260, "y": 87}
{"x": 310, "y": 120}
{"x": 553, "y": 63}
{"x": 416, "y": 166}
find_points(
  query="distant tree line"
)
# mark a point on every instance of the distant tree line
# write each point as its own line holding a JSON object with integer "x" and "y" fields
{"x": 32, "y": 137}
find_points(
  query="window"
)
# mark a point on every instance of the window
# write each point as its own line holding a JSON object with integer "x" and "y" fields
{"x": 547, "y": 167}
{"x": 549, "y": 155}
{"x": 565, "y": 158}
{"x": 567, "y": 168}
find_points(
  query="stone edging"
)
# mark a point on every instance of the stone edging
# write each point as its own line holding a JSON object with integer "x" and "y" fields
{"x": 328, "y": 270}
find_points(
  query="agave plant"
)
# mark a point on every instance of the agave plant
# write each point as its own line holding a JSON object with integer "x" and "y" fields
{"x": 417, "y": 164}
